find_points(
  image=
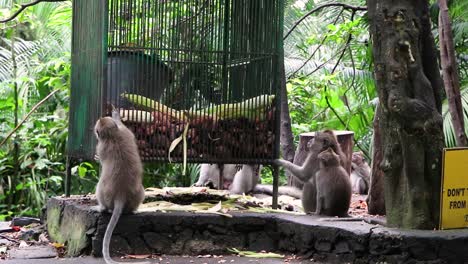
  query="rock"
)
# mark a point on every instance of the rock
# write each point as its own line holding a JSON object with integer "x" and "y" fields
{"x": 31, "y": 234}
{"x": 24, "y": 221}
{"x": 156, "y": 241}
{"x": 119, "y": 246}
{"x": 261, "y": 241}
{"x": 5, "y": 242}
{"x": 342, "y": 247}
{"x": 323, "y": 245}
{"x": 33, "y": 252}
{"x": 138, "y": 245}
{"x": 5, "y": 227}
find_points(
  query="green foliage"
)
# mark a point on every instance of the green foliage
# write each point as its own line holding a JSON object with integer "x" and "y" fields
{"x": 328, "y": 62}
{"x": 29, "y": 178}
{"x": 33, "y": 159}
{"x": 170, "y": 175}
{"x": 458, "y": 12}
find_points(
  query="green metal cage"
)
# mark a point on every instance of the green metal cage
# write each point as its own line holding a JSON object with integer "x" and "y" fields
{"x": 200, "y": 72}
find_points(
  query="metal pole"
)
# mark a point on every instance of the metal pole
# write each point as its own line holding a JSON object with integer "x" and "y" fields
{"x": 274, "y": 203}
{"x": 68, "y": 176}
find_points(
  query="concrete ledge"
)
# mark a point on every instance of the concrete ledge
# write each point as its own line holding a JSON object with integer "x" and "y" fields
{"x": 75, "y": 223}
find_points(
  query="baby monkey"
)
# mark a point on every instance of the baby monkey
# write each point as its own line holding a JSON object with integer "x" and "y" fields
{"x": 120, "y": 188}
{"x": 333, "y": 186}
{"x": 360, "y": 173}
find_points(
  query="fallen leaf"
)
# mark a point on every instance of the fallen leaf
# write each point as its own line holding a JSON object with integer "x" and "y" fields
{"x": 58, "y": 245}
{"x": 216, "y": 208}
{"x": 253, "y": 254}
{"x": 137, "y": 256}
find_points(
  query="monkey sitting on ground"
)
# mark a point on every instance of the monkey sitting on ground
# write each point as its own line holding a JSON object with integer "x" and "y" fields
{"x": 237, "y": 179}
{"x": 245, "y": 179}
{"x": 209, "y": 175}
{"x": 333, "y": 186}
{"x": 306, "y": 173}
{"x": 360, "y": 173}
{"x": 120, "y": 189}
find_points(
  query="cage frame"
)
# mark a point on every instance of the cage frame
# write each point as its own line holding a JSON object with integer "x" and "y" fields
{"x": 89, "y": 80}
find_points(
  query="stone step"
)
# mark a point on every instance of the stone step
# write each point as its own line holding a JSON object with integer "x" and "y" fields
{"x": 74, "y": 222}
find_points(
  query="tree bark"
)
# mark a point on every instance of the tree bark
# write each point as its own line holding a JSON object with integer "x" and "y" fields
{"x": 450, "y": 74}
{"x": 376, "y": 197}
{"x": 286, "y": 135}
{"x": 409, "y": 84}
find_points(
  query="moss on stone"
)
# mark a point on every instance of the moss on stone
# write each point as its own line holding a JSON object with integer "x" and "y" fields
{"x": 69, "y": 225}
{"x": 53, "y": 223}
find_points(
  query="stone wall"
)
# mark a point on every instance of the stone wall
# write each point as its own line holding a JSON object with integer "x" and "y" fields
{"x": 328, "y": 240}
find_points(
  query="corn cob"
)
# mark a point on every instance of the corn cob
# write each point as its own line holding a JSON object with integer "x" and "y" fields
{"x": 152, "y": 105}
{"x": 137, "y": 116}
{"x": 251, "y": 108}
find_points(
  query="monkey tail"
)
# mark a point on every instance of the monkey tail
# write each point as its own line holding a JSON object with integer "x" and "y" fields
{"x": 118, "y": 207}
{"x": 282, "y": 190}
{"x": 116, "y": 213}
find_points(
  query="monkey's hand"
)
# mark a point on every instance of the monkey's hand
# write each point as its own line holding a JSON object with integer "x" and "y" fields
{"x": 96, "y": 157}
{"x": 116, "y": 114}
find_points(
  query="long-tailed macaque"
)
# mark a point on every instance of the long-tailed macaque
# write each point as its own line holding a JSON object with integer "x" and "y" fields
{"x": 245, "y": 179}
{"x": 306, "y": 173}
{"x": 237, "y": 179}
{"x": 120, "y": 188}
{"x": 209, "y": 175}
{"x": 333, "y": 186}
{"x": 360, "y": 173}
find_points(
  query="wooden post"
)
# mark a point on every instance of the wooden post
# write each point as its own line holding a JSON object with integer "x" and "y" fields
{"x": 345, "y": 138}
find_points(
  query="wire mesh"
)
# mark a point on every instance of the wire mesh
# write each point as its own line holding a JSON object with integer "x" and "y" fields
{"x": 202, "y": 74}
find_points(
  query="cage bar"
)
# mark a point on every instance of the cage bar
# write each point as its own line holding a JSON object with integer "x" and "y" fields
{"x": 203, "y": 72}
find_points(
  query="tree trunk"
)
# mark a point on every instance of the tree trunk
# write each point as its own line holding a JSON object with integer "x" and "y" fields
{"x": 286, "y": 135}
{"x": 376, "y": 197}
{"x": 345, "y": 139}
{"x": 409, "y": 84}
{"x": 450, "y": 74}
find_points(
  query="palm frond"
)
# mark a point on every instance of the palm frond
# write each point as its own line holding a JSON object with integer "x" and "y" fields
{"x": 449, "y": 132}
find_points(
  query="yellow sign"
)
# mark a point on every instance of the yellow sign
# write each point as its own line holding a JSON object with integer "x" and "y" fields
{"x": 454, "y": 196}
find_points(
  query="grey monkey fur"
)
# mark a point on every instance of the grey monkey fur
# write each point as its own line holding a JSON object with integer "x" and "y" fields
{"x": 333, "y": 186}
{"x": 120, "y": 188}
{"x": 307, "y": 171}
{"x": 242, "y": 180}
{"x": 360, "y": 173}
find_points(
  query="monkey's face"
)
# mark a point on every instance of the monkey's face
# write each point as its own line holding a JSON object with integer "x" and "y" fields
{"x": 105, "y": 127}
{"x": 322, "y": 141}
{"x": 357, "y": 157}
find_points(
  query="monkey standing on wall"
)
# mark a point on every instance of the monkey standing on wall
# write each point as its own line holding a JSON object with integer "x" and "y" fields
{"x": 120, "y": 187}
{"x": 333, "y": 186}
{"x": 306, "y": 173}
{"x": 360, "y": 173}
